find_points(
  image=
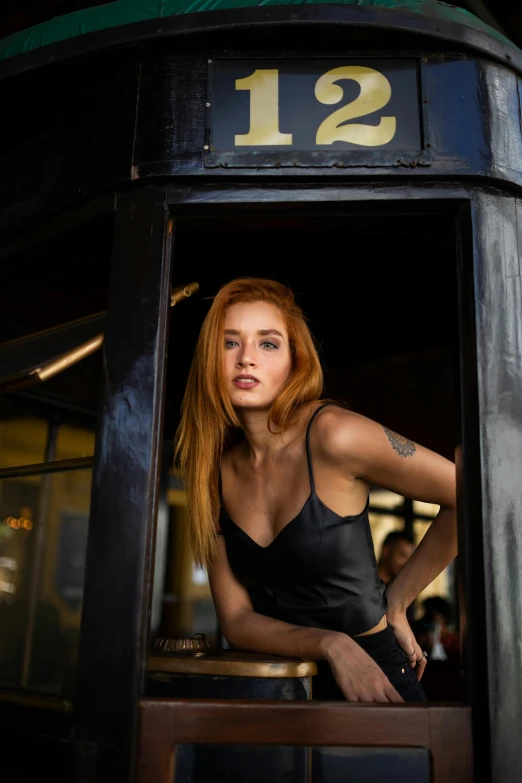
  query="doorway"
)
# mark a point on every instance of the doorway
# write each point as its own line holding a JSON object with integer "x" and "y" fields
{"x": 378, "y": 285}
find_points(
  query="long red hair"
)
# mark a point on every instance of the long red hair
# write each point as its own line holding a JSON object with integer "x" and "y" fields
{"x": 208, "y": 418}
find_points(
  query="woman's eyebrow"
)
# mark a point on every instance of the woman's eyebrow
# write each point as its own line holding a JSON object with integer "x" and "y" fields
{"x": 262, "y": 332}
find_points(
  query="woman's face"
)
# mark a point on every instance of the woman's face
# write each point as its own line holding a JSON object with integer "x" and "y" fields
{"x": 257, "y": 354}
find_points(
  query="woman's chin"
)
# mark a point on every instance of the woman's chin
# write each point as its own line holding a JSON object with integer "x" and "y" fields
{"x": 250, "y": 403}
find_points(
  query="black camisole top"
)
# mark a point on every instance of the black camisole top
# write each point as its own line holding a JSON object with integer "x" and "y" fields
{"x": 319, "y": 571}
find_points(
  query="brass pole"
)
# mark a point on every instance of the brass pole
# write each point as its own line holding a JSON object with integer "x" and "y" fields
{"x": 183, "y": 292}
{"x": 56, "y": 366}
{"x": 68, "y": 359}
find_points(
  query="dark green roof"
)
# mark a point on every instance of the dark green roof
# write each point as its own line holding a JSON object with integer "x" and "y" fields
{"x": 123, "y": 12}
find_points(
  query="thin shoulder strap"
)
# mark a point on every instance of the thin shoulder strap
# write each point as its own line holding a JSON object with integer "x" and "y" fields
{"x": 308, "y": 451}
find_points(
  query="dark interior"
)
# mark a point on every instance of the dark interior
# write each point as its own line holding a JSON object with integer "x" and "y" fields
{"x": 378, "y": 290}
{"x": 50, "y": 283}
{"x": 378, "y": 287}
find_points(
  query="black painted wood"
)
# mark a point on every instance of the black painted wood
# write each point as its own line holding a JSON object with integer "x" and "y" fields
{"x": 34, "y": 740}
{"x": 119, "y": 564}
{"x": 144, "y": 119}
{"x": 74, "y": 217}
{"x": 201, "y": 198}
{"x": 363, "y": 26}
{"x": 171, "y": 114}
{"x": 470, "y": 116}
{"x": 68, "y": 136}
{"x": 470, "y": 560}
{"x": 497, "y": 220}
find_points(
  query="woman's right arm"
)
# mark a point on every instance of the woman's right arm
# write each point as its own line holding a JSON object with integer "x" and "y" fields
{"x": 357, "y": 675}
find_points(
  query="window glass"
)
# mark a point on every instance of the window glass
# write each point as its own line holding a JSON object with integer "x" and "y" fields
{"x": 426, "y": 509}
{"x": 44, "y": 518}
{"x": 22, "y": 441}
{"x": 43, "y": 544}
{"x": 74, "y": 442}
{"x": 385, "y": 515}
{"x": 384, "y": 498}
{"x": 19, "y": 525}
{"x": 285, "y": 764}
{"x": 189, "y": 608}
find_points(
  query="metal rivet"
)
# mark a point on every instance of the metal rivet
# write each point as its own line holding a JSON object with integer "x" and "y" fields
{"x": 210, "y": 61}
{"x": 205, "y": 147}
{"x": 207, "y": 104}
{"x": 424, "y": 59}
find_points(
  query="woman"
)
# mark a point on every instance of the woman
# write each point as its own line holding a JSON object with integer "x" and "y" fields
{"x": 277, "y": 498}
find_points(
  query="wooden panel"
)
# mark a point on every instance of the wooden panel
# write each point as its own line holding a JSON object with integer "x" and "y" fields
{"x": 451, "y": 743}
{"x": 119, "y": 567}
{"x": 496, "y": 324}
{"x": 444, "y": 730}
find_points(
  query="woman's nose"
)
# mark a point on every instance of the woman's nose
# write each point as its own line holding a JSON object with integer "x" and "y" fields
{"x": 245, "y": 361}
{"x": 245, "y": 358}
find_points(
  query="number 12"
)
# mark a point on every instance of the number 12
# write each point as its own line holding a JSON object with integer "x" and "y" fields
{"x": 375, "y": 94}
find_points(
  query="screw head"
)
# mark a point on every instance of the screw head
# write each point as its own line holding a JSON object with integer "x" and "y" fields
{"x": 207, "y": 104}
{"x": 205, "y": 146}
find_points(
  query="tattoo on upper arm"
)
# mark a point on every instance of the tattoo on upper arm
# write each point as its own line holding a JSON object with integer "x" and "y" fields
{"x": 403, "y": 446}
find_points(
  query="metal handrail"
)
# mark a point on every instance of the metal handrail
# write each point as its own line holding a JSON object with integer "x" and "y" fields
{"x": 55, "y": 366}
{"x": 39, "y": 469}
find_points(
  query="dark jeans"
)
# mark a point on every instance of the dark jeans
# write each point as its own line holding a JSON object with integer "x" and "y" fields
{"x": 385, "y": 651}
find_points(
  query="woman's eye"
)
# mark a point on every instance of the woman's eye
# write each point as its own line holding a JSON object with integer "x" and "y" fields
{"x": 268, "y": 344}
{"x": 230, "y": 343}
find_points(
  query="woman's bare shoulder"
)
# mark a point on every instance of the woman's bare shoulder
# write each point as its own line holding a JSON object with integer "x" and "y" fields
{"x": 338, "y": 432}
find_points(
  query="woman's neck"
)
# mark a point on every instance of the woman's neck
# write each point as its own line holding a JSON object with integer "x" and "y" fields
{"x": 260, "y": 442}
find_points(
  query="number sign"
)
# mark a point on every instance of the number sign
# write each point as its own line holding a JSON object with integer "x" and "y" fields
{"x": 294, "y": 104}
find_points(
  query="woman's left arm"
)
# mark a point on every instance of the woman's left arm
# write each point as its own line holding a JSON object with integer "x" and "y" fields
{"x": 381, "y": 457}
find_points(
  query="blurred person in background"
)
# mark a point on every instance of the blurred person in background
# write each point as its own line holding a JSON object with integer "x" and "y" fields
{"x": 434, "y": 630}
{"x": 396, "y": 550}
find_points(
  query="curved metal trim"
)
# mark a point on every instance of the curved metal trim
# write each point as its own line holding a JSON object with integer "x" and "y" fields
{"x": 481, "y": 11}
{"x": 234, "y": 666}
{"x": 218, "y": 21}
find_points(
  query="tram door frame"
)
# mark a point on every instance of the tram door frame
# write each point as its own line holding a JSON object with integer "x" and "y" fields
{"x": 457, "y": 202}
{"x": 108, "y": 693}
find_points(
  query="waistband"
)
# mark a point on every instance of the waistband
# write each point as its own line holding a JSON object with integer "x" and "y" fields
{"x": 377, "y": 642}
